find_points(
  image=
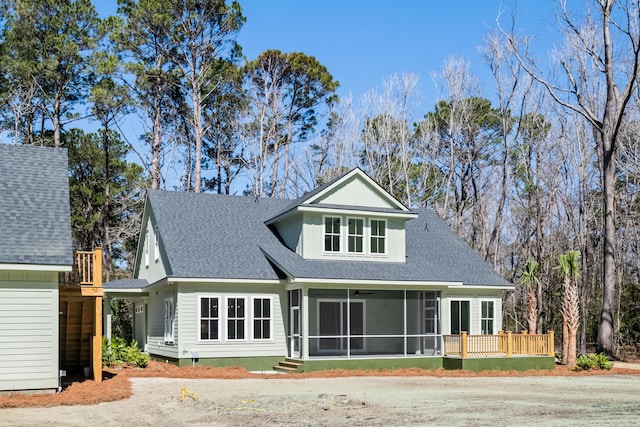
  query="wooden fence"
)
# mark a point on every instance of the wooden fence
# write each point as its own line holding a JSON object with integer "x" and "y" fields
{"x": 501, "y": 345}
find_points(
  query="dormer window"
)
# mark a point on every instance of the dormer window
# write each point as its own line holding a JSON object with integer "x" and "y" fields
{"x": 332, "y": 234}
{"x": 355, "y": 235}
{"x": 378, "y": 236}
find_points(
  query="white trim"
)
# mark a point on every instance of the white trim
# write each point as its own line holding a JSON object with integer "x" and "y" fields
{"x": 360, "y": 282}
{"x": 363, "y": 212}
{"x": 156, "y": 244}
{"x": 493, "y": 318}
{"x": 172, "y": 280}
{"x": 346, "y": 301}
{"x": 36, "y": 267}
{"x": 363, "y": 236}
{"x": 270, "y": 318}
{"x": 498, "y": 287}
{"x": 365, "y": 177}
{"x": 199, "y": 319}
{"x": 340, "y": 235}
{"x": 169, "y": 318}
{"x": 226, "y": 317}
{"x": 461, "y": 298}
{"x": 384, "y": 238}
{"x": 147, "y": 236}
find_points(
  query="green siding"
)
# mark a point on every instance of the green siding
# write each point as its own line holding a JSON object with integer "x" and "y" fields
{"x": 28, "y": 330}
{"x": 374, "y": 364}
{"x": 500, "y": 364}
{"x": 356, "y": 192}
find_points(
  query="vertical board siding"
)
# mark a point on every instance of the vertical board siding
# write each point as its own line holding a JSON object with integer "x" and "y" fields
{"x": 355, "y": 192}
{"x": 28, "y": 332}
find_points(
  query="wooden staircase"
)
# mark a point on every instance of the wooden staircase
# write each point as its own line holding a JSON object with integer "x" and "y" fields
{"x": 289, "y": 365}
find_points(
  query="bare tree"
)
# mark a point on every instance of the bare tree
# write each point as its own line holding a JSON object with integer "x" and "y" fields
{"x": 599, "y": 65}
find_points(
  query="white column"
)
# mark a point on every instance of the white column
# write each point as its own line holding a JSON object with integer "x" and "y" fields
{"x": 305, "y": 323}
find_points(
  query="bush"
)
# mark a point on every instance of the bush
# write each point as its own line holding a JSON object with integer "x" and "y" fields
{"x": 116, "y": 351}
{"x": 593, "y": 361}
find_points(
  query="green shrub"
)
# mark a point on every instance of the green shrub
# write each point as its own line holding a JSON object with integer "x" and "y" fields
{"x": 116, "y": 351}
{"x": 593, "y": 361}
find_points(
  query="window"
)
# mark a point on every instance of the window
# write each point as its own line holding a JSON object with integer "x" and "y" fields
{"x": 146, "y": 249}
{"x": 209, "y": 318}
{"x": 460, "y": 317}
{"x": 262, "y": 318}
{"x": 487, "y": 318}
{"x": 156, "y": 248}
{"x": 355, "y": 235}
{"x": 235, "y": 318}
{"x": 169, "y": 315}
{"x": 378, "y": 236}
{"x": 332, "y": 234}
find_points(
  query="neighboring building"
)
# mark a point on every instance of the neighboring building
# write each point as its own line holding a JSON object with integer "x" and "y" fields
{"x": 344, "y": 276}
{"x": 35, "y": 246}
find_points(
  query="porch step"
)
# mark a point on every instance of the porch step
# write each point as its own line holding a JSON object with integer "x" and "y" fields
{"x": 289, "y": 365}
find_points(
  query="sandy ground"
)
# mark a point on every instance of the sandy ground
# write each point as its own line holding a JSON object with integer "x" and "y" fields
{"x": 356, "y": 401}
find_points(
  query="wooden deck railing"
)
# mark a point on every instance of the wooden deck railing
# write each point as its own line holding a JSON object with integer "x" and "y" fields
{"x": 87, "y": 269}
{"x": 501, "y": 345}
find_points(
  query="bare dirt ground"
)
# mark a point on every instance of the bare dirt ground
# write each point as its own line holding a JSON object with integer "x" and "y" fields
{"x": 157, "y": 396}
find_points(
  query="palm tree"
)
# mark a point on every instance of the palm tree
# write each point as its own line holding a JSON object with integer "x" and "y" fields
{"x": 569, "y": 266}
{"x": 529, "y": 279}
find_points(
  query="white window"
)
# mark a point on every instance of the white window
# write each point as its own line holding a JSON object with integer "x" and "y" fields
{"x": 209, "y": 319}
{"x": 156, "y": 247}
{"x": 378, "y": 236}
{"x": 262, "y": 318}
{"x": 236, "y": 319}
{"x": 355, "y": 235}
{"x": 332, "y": 234}
{"x": 169, "y": 316}
{"x": 460, "y": 312}
{"x": 487, "y": 318}
{"x": 146, "y": 249}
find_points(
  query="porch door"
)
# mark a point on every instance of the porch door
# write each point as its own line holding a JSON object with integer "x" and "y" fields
{"x": 430, "y": 323}
{"x": 294, "y": 324}
{"x": 333, "y": 321}
{"x": 460, "y": 317}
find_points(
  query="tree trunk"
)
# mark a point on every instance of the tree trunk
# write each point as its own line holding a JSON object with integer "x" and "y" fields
{"x": 605, "y": 334}
{"x": 532, "y": 310}
{"x": 57, "y": 140}
{"x": 199, "y": 135}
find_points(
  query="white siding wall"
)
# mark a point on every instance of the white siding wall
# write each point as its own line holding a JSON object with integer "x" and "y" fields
{"x": 188, "y": 321}
{"x": 155, "y": 323}
{"x": 151, "y": 268}
{"x": 313, "y": 244}
{"x": 28, "y": 330}
{"x": 474, "y": 297}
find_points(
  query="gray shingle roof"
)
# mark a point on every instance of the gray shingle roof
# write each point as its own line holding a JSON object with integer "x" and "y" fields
{"x": 126, "y": 284}
{"x": 218, "y": 236}
{"x": 35, "y": 225}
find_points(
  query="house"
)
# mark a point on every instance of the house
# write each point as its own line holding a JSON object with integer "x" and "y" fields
{"x": 35, "y": 246}
{"x": 50, "y": 298}
{"x": 345, "y": 276}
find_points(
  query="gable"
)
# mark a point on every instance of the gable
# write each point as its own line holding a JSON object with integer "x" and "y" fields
{"x": 34, "y": 206}
{"x": 356, "y": 189}
{"x": 356, "y": 192}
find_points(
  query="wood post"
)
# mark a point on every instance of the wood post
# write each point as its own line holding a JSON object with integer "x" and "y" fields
{"x": 509, "y": 343}
{"x": 464, "y": 346}
{"x": 96, "y": 348}
{"x": 551, "y": 344}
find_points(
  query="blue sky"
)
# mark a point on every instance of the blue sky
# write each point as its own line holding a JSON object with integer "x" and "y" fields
{"x": 362, "y": 42}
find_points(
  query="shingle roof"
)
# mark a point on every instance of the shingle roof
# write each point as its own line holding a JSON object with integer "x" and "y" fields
{"x": 218, "y": 236}
{"x": 35, "y": 222}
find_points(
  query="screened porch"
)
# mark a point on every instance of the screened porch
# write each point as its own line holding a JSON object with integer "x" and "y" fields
{"x": 350, "y": 323}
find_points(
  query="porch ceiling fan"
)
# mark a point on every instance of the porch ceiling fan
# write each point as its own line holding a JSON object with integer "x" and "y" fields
{"x": 358, "y": 292}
